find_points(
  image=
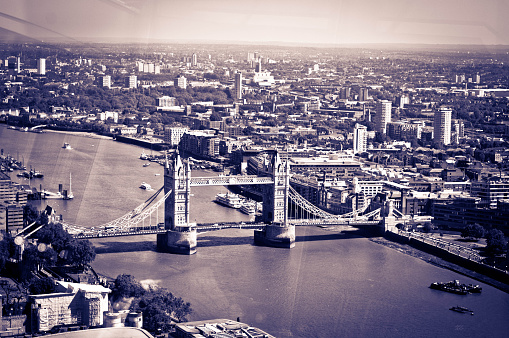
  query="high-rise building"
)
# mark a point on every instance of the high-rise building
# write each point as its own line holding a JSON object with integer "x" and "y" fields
{"x": 383, "y": 115}
{"x": 363, "y": 94}
{"x": 258, "y": 66}
{"x": 131, "y": 81}
{"x": 345, "y": 93}
{"x": 106, "y": 81}
{"x": 41, "y": 66}
{"x": 14, "y": 64}
{"x": 181, "y": 82}
{"x": 238, "y": 86}
{"x": 442, "y": 126}
{"x": 173, "y": 135}
{"x": 477, "y": 78}
{"x": 360, "y": 139}
{"x": 194, "y": 60}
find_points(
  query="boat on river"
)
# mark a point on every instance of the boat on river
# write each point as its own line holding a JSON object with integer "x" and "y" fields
{"x": 229, "y": 200}
{"x": 248, "y": 208}
{"x": 461, "y": 309}
{"x": 145, "y": 186}
{"x": 67, "y": 146}
{"x": 455, "y": 287}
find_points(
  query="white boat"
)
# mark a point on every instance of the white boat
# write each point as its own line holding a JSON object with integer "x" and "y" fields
{"x": 143, "y": 156}
{"x": 229, "y": 200}
{"x": 145, "y": 186}
{"x": 248, "y": 208}
{"x": 146, "y": 164}
{"x": 67, "y": 146}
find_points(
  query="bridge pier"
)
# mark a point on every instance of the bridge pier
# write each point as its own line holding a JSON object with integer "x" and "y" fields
{"x": 181, "y": 241}
{"x": 276, "y": 236}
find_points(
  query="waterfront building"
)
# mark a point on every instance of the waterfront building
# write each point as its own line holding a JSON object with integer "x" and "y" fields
{"x": 103, "y": 116}
{"x": 491, "y": 190}
{"x": 131, "y": 81}
{"x": 41, "y": 66}
{"x": 181, "y": 82}
{"x": 360, "y": 139}
{"x": 442, "y": 126}
{"x": 238, "y": 86}
{"x": 218, "y": 328}
{"x": 383, "y": 115}
{"x": 77, "y": 304}
{"x": 173, "y": 135}
{"x": 200, "y": 143}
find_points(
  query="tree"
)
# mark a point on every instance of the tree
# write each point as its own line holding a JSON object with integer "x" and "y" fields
{"x": 160, "y": 309}
{"x": 39, "y": 286}
{"x": 126, "y": 286}
{"x": 495, "y": 241}
{"x": 473, "y": 232}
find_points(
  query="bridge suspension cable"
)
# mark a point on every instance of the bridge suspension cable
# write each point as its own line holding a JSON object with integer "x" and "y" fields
{"x": 131, "y": 219}
{"x": 319, "y": 213}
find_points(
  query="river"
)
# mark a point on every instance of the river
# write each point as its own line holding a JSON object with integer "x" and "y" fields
{"x": 332, "y": 284}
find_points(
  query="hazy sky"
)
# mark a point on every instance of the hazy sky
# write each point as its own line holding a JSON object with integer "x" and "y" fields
{"x": 483, "y": 22}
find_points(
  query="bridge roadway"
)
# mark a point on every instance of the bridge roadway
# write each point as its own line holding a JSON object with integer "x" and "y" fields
{"x": 230, "y": 180}
{"x": 223, "y": 225}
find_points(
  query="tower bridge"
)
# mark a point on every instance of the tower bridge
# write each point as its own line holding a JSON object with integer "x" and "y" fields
{"x": 178, "y": 235}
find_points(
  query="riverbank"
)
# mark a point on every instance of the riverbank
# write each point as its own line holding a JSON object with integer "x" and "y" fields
{"x": 437, "y": 261}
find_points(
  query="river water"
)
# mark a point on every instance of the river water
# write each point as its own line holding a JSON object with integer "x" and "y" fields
{"x": 332, "y": 284}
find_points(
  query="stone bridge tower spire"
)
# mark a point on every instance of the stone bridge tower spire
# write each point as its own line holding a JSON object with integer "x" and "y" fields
{"x": 177, "y": 176}
{"x": 277, "y": 232}
{"x": 180, "y": 236}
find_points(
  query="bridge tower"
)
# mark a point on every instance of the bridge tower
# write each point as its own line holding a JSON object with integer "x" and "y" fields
{"x": 277, "y": 232}
{"x": 180, "y": 236}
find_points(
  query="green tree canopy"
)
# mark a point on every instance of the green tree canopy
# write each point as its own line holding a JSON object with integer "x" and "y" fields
{"x": 495, "y": 241}
{"x": 160, "y": 309}
{"x": 473, "y": 231}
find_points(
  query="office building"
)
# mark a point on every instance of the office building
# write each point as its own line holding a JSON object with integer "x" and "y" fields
{"x": 166, "y": 101}
{"x": 194, "y": 60}
{"x": 131, "y": 81}
{"x": 41, "y": 66}
{"x": 383, "y": 115}
{"x": 404, "y": 131}
{"x": 345, "y": 93}
{"x": 238, "y": 86}
{"x": 105, "y": 81}
{"x": 181, "y": 82}
{"x": 363, "y": 94}
{"x": 172, "y": 136}
{"x": 442, "y": 126}
{"x": 360, "y": 139}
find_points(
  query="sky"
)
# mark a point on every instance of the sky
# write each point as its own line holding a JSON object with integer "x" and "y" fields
{"x": 260, "y": 21}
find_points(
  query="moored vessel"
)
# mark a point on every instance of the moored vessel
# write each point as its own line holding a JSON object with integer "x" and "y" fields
{"x": 229, "y": 200}
{"x": 248, "y": 208}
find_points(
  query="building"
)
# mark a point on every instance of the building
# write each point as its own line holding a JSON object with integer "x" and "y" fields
{"x": 194, "y": 60}
{"x": 360, "y": 139}
{"x": 218, "y": 328}
{"x": 131, "y": 81}
{"x": 166, "y": 101}
{"x": 491, "y": 190}
{"x": 41, "y": 66}
{"x": 181, "y": 82}
{"x": 105, "y": 81}
{"x": 345, "y": 93}
{"x": 76, "y": 304}
{"x": 363, "y": 94}
{"x": 103, "y": 116}
{"x": 403, "y": 130}
{"x": 14, "y": 64}
{"x": 172, "y": 136}
{"x": 383, "y": 115}
{"x": 442, "y": 127}
{"x": 238, "y": 86}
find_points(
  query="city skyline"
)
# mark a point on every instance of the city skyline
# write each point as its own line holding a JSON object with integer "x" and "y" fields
{"x": 287, "y": 22}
